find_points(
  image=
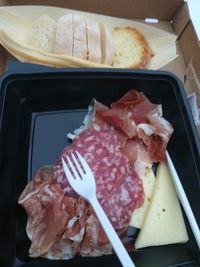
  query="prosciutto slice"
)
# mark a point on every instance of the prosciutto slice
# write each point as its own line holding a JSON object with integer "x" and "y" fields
{"x": 134, "y": 117}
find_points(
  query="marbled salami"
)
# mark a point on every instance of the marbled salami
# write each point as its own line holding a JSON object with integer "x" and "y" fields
{"x": 119, "y": 189}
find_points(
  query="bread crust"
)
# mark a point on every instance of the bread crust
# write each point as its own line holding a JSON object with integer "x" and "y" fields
{"x": 107, "y": 45}
{"x": 93, "y": 41}
{"x": 42, "y": 34}
{"x": 64, "y": 35}
{"x": 146, "y": 51}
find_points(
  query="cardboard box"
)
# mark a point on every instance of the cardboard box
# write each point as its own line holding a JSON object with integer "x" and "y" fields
{"x": 172, "y": 15}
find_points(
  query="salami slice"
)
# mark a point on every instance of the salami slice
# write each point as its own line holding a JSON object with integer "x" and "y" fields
{"x": 118, "y": 186}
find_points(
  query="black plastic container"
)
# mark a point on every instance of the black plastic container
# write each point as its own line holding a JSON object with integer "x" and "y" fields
{"x": 37, "y": 112}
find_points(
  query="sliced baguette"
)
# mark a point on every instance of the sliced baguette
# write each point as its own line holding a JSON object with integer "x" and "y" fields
{"x": 80, "y": 37}
{"x": 131, "y": 48}
{"x": 43, "y": 33}
{"x": 93, "y": 41}
{"x": 107, "y": 45}
{"x": 64, "y": 35}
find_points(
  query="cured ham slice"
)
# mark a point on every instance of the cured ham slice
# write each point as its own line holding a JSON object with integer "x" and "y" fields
{"x": 43, "y": 206}
{"x": 136, "y": 105}
{"x": 138, "y": 155}
{"x": 91, "y": 245}
{"x": 137, "y": 118}
{"x": 57, "y": 224}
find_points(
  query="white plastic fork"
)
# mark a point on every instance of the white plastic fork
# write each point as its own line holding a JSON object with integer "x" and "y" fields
{"x": 82, "y": 181}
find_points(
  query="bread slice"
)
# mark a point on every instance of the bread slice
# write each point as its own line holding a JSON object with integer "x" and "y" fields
{"x": 93, "y": 41}
{"x": 131, "y": 48}
{"x": 64, "y": 35}
{"x": 107, "y": 45}
{"x": 43, "y": 33}
{"x": 80, "y": 37}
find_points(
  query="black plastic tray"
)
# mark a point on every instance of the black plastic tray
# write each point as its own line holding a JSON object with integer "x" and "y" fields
{"x": 37, "y": 112}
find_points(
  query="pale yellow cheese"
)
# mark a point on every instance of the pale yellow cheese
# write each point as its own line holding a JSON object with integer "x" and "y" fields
{"x": 163, "y": 223}
{"x": 148, "y": 179}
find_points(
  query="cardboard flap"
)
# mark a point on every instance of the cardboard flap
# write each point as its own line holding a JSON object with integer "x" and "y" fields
{"x": 138, "y": 9}
{"x": 3, "y": 2}
{"x": 188, "y": 43}
{"x": 181, "y": 19}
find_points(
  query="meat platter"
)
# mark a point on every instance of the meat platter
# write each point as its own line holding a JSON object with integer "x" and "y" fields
{"x": 34, "y": 103}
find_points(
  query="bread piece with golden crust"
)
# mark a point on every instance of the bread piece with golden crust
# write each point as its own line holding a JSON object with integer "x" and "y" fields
{"x": 131, "y": 49}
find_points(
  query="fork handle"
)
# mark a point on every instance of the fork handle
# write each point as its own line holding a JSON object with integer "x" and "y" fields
{"x": 111, "y": 234}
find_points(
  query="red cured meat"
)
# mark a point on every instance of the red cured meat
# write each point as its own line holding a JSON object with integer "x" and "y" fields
{"x": 136, "y": 104}
{"x": 43, "y": 205}
{"x": 155, "y": 145}
{"x": 138, "y": 155}
{"x": 91, "y": 245}
{"x": 60, "y": 226}
{"x": 59, "y": 177}
{"x": 123, "y": 200}
{"x": 163, "y": 128}
{"x": 101, "y": 149}
{"x": 121, "y": 119}
{"x": 128, "y": 114}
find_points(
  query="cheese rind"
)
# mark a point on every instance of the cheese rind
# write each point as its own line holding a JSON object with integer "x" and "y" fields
{"x": 148, "y": 180}
{"x": 163, "y": 223}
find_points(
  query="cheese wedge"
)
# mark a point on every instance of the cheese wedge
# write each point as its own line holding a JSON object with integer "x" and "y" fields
{"x": 163, "y": 223}
{"x": 148, "y": 179}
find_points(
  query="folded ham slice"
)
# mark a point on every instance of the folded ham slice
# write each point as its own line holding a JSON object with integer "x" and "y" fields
{"x": 134, "y": 117}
